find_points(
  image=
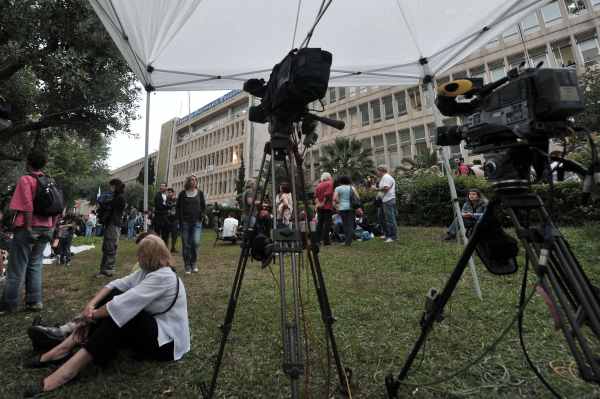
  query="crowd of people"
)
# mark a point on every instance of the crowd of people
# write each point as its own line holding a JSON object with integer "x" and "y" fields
{"x": 146, "y": 311}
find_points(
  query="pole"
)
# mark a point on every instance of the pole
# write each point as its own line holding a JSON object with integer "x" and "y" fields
{"x": 146, "y": 161}
{"x": 457, "y": 213}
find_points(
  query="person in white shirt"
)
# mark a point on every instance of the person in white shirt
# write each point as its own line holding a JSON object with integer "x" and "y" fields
{"x": 387, "y": 187}
{"x": 230, "y": 225}
{"x": 145, "y": 311}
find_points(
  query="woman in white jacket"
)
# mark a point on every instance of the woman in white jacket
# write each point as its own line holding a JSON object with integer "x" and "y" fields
{"x": 145, "y": 311}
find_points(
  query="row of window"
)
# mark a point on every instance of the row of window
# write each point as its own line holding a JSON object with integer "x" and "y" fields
{"x": 214, "y": 185}
{"x": 391, "y": 147}
{"x": 217, "y": 137}
{"x": 223, "y": 157}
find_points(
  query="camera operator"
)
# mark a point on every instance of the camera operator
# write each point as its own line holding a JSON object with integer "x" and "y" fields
{"x": 111, "y": 220}
{"x": 31, "y": 233}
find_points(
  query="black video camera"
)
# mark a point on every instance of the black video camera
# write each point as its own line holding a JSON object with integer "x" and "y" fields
{"x": 299, "y": 79}
{"x": 533, "y": 105}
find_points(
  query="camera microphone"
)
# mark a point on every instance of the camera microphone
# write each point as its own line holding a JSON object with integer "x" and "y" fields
{"x": 334, "y": 123}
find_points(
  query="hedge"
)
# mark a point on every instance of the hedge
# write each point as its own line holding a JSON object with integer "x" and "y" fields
{"x": 425, "y": 200}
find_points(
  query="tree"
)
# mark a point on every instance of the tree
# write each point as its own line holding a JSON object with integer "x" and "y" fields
{"x": 590, "y": 84}
{"x": 347, "y": 157}
{"x": 61, "y": 74}
{"x": 424, "y": 163}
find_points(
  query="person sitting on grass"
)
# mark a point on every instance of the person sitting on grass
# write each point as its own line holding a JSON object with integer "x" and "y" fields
{"x": 472, "y": 209}
{"x": 229, "y": 230}
{"x": 145, "y": 311}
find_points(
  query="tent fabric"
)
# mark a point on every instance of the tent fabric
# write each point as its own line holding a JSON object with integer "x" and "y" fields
{"x": 218, "y": 44}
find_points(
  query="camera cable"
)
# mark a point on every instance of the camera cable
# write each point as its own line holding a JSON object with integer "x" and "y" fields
{"x": 520, "y": 313}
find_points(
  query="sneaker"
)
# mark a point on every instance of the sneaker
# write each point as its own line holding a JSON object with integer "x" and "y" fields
{"x": 188, "y": 272}
{"x": 449, "y": 237}
{"x": 382, "y": 237}
{"x": 4, "y": 308}
{"x": 44, "y": 338}
{"x": 195, "y": 270}
{"x": 34, "y": 307}
{"x": 103, "y": 274}
{"x": 389, "y": 240}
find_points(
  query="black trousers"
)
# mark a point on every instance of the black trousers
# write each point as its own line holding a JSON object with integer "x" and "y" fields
{"x": 139, "y": 334}
{"x": 170, "y": 231}
{"x": 348, "y": 224}
{"x": 324, "y": 225}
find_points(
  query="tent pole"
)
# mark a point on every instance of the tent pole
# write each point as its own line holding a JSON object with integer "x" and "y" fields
{"x": 446, "y": 164}
{"x": 146, "y": 160}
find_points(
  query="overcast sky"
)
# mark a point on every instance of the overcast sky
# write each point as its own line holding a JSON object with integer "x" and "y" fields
{"x": 163, "y": 106}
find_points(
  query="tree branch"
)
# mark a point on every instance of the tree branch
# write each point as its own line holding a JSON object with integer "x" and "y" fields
{"x": 10, "y": 157}
{"x": 43, "y": 123}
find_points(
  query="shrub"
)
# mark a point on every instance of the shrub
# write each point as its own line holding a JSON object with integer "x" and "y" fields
{"x": 425, "y": 200}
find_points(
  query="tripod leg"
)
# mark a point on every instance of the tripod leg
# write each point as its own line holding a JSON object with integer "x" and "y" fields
{"x": 229, "y": 315}
{"x": 432, "y": 315}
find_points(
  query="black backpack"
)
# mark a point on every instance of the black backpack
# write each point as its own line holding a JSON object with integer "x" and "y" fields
{"x": 48, "y": 200}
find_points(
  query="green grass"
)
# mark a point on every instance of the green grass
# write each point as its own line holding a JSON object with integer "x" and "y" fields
{"x": 376, "y": 291}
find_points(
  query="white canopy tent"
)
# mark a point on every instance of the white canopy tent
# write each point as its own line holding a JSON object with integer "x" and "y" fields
{"x": 218, "y": 44}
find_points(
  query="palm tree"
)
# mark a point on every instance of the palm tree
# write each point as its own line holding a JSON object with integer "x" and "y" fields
{"x": 424, "y": 163}
{"x": 347, "y": 157}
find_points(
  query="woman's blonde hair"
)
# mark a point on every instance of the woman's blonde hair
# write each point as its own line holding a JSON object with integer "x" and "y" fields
{"x": 153, "y": 254}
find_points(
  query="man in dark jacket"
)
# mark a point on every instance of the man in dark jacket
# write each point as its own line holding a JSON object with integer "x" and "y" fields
{"x": 111, "y": 220}
{"x": 161, "y": 210}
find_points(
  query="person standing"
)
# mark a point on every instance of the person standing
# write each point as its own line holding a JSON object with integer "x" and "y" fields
{"x": 342, "y": 198}
{"x": 171, "y": 219}
{"x": 32, "y": 232}
{"x": 284, "y": 204}
{"x": 132, "y": 219}
{"x": 111, "y": 220}
{"x": 387, "y": 186}
{"x": 190, "y": 209}
{"x": 324, "y": 204}
{"x": 159, "y": 223}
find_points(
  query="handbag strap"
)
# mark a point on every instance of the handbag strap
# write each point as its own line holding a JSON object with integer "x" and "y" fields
{"x": 174, "y": 299}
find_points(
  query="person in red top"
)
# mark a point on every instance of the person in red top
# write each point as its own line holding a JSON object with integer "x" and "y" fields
{"x": 324, "y": 204}
{"x": 31, "y": 233}
{"x": 463, "y": 168}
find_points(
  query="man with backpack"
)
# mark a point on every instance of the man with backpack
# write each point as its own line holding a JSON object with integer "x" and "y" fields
{"x": 37, "y": 202}
{"x": 110, "y": 214}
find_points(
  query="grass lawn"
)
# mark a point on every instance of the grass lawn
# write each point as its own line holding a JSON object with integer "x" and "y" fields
{"x": 376, "y": 292}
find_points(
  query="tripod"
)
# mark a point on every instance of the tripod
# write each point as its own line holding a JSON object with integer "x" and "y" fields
{"x": 560, "y": 276}
{"x": 287, "y": 244}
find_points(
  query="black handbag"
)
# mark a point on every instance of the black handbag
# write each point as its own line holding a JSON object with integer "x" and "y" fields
{"x": 354, "y": 200}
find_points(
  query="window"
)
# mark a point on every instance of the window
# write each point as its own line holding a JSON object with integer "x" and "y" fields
{"x": 420, "y": 142}
{"x": 366, "y": 143}
{"x": 354, "y": 121}
{"x": 575, "y": 7}
{"x": 405, "y": 148}
{"x": 342, "y": 93}
{"x": 511, "y": 33}
{"x": 538, "y": 55}
{"x": 530, "y": 24}
{"x": 551, "y": 13}
{"x": 515, "y": 60}
{"x": 376, "y": 111}
{"x": 415, "y": 99}
{"x": 497, "y": 71}
{"x": 588, "y": 47}
{"x": 478, "y": 72}
{"x": 400, "y": 103}
{"x": 392, "y": 149}
{"x": 459, "y": 75}
{"x": 379, "y": 150}
{"x": 388, "y": 107}
{"x": 364, "y": 113}
{"x": 563, "y": 53}
{"x": 431, "y": 132}
{"x": 332, "y": 95}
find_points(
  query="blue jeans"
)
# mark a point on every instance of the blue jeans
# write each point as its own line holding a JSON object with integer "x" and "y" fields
{"x": 389, "y": 214}
{"x": 190, "y": 240}
{"x": 25, "y": 263}
{"x": 131, "y": 230}
{"x": 88, "y": 231}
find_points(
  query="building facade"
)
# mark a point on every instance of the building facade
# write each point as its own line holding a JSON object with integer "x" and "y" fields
{"x": 397, "y": 122}
{"x": 130, "y": 172}
{"x": 212, "y": 143}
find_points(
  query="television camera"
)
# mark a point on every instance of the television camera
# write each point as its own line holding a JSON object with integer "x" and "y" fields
{"x": 299, "y": 79}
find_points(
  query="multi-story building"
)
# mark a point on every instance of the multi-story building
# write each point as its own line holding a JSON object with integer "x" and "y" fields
{"x": 397, "y": 122}
{"x": 212, "y": 143}
{"x": 130, "y": 172}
